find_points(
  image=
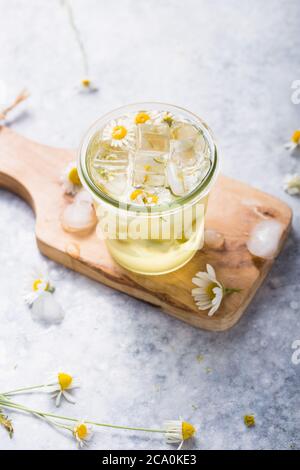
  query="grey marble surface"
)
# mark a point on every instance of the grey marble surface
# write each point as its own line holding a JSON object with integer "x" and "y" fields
{"x": 233, "y": 63}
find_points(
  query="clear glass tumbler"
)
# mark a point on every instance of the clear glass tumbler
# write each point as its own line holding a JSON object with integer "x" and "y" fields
{"x": 156, "y": 239}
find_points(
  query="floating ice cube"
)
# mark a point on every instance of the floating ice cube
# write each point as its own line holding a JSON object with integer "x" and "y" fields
{"x": 154, "y": 138}
{"x": 184, "y": 131}
{"x": 110, "y": 170}
{"x": 148, "y": 170}
{"x": 183, "y": 179}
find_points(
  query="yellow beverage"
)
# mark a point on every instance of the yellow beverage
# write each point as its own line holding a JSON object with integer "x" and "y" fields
{"x": 150, "y": 168}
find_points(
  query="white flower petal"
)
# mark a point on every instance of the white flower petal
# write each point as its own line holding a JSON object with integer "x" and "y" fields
{"x": 68, "y": 397}
{"x": 211, "y": 272}
{"x": 57, "y": 401}
{"x": 202, "y": 294}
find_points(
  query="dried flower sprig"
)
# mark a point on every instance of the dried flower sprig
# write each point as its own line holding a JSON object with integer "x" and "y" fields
{"x": 174, "y": 431}
{"x": 19, "y": 99}
{"x": 209, "y": 291}
{"x": 249, "y": 421}
{"x": 7, "y": 424}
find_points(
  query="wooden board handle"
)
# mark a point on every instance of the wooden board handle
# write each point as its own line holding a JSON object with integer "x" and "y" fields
{"x": 30, "y": 169}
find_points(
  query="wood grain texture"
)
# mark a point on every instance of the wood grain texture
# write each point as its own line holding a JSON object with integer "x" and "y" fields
{"x": 33, "y": 171}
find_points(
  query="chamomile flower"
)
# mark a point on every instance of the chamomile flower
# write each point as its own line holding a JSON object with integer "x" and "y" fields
{"x": 88, "y": 86}
{"x": 143, "y": 197}
{"x": 291, "y": 184}
{"x": 165, "y": 117}
{"x": 119, "y": 132}
{"x": 178, "y": 431}
{"x": 294, "y": 142}
{"x": 209, "y": 293}
{"x": 62, "y": 384}
{"x": 70, "y": 179}
{"x": 145, "y": 116}
{"x": 82, "y": 432}
{"x": 37, "y": 283}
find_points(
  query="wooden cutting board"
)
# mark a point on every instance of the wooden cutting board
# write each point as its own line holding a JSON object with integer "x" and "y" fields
{"x": 33, "y": 171}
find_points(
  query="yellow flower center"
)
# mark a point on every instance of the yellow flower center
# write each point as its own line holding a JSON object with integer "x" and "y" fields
{"x": 209, "y": 290}
{"x": 81, "y": 431}
{"x": 85, "y": 82}
{"x": 141, "y": 118}
{"x": 135, "y": 194}
{"x": 64, "y": 380}
{"x": 73, "y": 176}
{"x": 119, "y": 132}
{"x": 188, "y": 431}
{"x": 36, "y": 285}
{"x": 153, "y": 198}
{"x": 296, "y": 137}
{"x": 168, "y": 120}
{"x": 249, "y": 421}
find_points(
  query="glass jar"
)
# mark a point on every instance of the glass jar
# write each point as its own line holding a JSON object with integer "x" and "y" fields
{"x": 154, "y": 239}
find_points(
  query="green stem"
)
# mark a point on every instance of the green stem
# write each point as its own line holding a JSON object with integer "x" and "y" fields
{"x": 8, "y": 404}
{"x": 26, "y": 389}
{"x": 228, "y": 290}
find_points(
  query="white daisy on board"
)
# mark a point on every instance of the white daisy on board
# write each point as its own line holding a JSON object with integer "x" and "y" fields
{"x": 37, "y": 283}
{"x": 291, "y": 184}
{"x": 119, "y": 132}
{"x": 82, "y": 433}
{"x": 294, "y": 143}
{"x": 209, "y": 292}
{"x": 70, "y": 179}
{"x": 178, "y": 431}
{"x": 62, "y": 384}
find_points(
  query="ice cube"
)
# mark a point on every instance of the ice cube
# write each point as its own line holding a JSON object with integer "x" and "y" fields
{"x": 184, "y": 131}
{"x": 148, "y": 170}
{"x": 109, "y": 169}
{"x": 153, "y": 137}
{"x": 183, "y": 179}
{"x": 188, "y": 145}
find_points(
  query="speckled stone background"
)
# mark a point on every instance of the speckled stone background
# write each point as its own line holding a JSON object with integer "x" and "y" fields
{"x": 233, "y": 63}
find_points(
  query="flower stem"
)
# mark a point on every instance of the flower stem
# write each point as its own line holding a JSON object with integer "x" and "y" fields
{"x": 9, "y": 404}
{"x": 228, "y": 290}
{"x": 26, "y": 389}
